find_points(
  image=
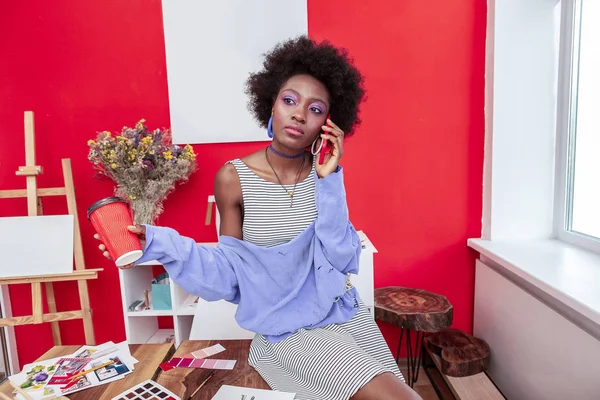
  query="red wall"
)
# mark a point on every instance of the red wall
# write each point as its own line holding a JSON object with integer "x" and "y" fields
{"x": 414, "y": 169}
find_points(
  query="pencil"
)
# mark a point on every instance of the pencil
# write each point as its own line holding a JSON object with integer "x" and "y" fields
{"x": 87, "y": 371}
{"x": 202, "y": 384}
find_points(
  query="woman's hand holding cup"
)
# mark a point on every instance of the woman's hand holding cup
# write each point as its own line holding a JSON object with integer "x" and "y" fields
{"x": 113, "y": 222}
{"x": 139, "y": 230}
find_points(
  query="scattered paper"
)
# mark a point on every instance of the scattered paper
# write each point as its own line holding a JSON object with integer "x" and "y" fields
{"x": 67, "y": 367}
{"x": 35, "y": 377}
{"x": 227, "y": 392}
{"x": 51, "y": 378}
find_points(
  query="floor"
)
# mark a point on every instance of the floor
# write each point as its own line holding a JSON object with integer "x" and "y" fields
{"x": 424, "y": 387}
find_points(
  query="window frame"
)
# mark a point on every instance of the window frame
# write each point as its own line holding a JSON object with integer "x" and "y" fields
{"x": 565, "y": 127}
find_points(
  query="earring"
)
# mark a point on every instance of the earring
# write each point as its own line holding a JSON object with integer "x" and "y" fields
{"x": 270, "y": 127}
{"x": 312, "y": 148}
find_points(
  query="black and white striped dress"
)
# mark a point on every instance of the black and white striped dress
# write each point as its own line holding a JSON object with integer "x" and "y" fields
{"x": 332, "y": 362}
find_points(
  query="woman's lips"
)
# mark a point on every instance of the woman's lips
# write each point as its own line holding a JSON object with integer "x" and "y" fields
{"x": 294, "y": 130}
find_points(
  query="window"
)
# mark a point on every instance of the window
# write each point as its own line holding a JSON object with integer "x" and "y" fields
{"x": 578, "y": 161}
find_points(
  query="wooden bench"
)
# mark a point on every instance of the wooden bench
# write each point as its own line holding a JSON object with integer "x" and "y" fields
{"x": 459, "y": 369}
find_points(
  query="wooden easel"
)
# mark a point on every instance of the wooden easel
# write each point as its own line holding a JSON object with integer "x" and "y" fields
{"x": 80, "y": 274}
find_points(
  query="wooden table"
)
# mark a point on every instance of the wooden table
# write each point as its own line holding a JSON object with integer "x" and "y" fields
{"x": 181, "y": 381}
{"x": 148, "y": 355}
{"x": 184, "y": 381}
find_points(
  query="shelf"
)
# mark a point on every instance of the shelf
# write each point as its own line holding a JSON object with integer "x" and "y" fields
{"x": 189, "y": 306}
{"x": 163, "y": 336}
{"x": 150, "y": 313}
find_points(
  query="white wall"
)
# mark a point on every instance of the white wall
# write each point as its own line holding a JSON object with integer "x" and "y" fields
{"x": 522, "y": 68}
{"x": 536, "y": 352}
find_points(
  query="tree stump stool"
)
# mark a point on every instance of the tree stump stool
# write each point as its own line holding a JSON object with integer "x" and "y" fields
{"x": 461, "y": 354}
{"x": 412, "y": 310}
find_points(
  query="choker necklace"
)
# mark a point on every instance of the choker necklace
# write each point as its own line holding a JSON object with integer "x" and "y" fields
{"x": 280, "y": 154}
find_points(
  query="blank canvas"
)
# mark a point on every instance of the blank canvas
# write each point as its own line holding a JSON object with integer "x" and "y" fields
{"x": 36, "y": 245}
{"x": 211, "y": 48}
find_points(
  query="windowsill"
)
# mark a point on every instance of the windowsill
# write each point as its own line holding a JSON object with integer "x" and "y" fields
{"x": 568, "y": 276}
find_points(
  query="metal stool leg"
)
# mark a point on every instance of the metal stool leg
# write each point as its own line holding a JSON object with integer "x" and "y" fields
{"x": 414, "y": 360}
{"x": 399, "y": 345}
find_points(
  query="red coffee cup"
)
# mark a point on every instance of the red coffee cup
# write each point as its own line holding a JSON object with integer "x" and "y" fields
{"x": 111, "y": 217}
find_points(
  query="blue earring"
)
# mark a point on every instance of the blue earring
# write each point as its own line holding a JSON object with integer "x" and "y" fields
{"x": 270, "y": 127}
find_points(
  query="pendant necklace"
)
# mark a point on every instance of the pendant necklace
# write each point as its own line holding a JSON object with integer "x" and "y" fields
{"x": 290, "y": 193}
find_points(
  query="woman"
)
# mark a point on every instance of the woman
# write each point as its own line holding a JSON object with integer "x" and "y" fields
{"x": 287, "y": 247}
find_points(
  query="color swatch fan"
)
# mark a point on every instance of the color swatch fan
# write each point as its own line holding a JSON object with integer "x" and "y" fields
{"x": 196, "y": 359}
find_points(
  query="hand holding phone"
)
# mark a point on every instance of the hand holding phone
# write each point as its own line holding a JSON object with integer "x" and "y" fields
{"x": 332, "y": 145}
{"x": 325, "y": 149}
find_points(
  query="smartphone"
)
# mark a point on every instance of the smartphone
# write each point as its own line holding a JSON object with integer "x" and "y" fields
{"x": 326, "y": 148}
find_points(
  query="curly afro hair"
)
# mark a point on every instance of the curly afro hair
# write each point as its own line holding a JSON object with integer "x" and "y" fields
{"x": 326, "y": 63}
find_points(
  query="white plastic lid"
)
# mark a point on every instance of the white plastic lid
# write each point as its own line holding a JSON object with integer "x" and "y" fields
{"x": 128, "y": 258}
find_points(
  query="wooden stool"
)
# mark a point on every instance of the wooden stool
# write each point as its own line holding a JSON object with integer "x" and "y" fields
{"x": 460, "y": 354}
{"x": 412, "y": 309}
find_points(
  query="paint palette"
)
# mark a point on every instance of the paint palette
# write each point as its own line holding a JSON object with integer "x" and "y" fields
{"x": 147, "y": 390}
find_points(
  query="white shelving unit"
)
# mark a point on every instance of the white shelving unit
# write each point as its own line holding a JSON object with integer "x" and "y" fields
{"x": 142, "y": 326}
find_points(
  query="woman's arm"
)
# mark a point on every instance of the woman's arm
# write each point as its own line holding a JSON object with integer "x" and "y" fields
{"x": 340, "y": 241}
{"x": 202, "y": 270}
{"x": 228, "y": 196}
{"x": 341, "y": 244}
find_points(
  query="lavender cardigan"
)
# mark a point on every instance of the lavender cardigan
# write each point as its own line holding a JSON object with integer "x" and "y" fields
{"x": 280, "y": 289}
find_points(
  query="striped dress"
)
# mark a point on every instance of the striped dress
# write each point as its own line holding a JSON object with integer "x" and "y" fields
{"x": 332, "y": 362}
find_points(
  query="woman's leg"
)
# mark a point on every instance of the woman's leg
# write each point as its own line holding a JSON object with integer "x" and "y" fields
{"x": 386, "y": 387}
{"x": 367, "y": 335}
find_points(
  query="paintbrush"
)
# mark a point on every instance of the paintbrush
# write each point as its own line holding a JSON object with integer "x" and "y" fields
{"x": 202, "y": 384}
